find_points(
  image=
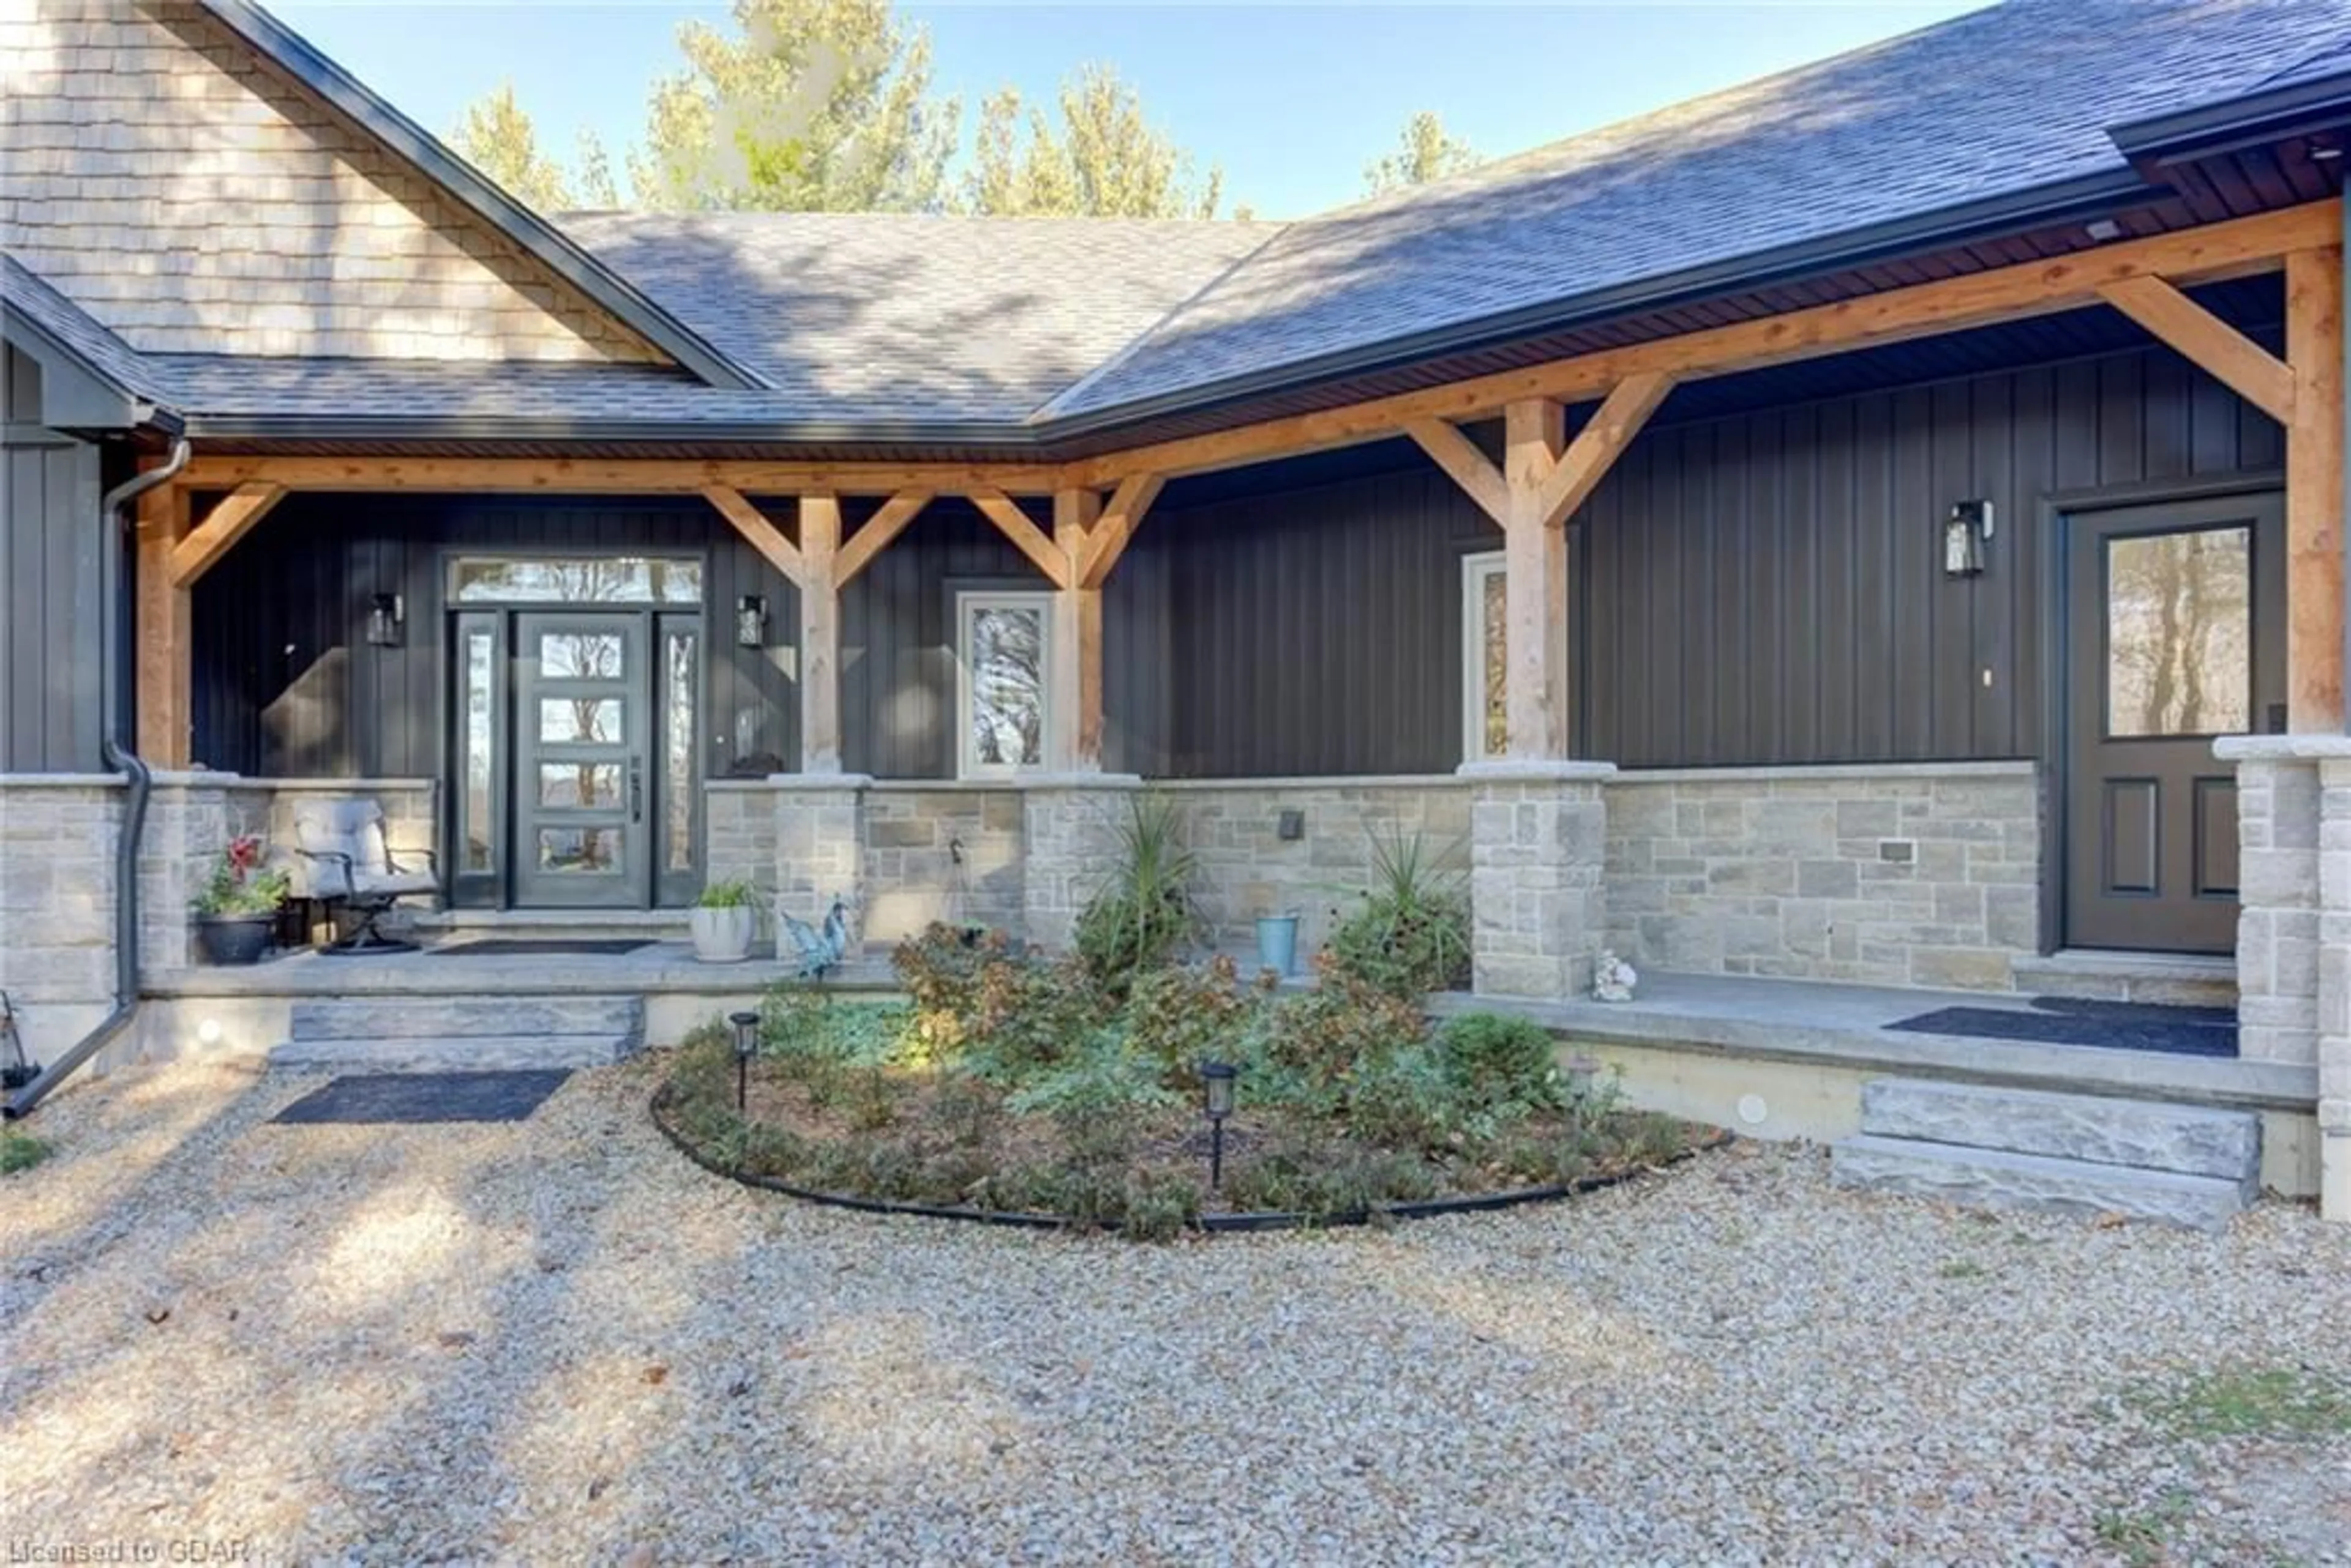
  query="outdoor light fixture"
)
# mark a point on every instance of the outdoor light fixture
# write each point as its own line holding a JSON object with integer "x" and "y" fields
{"x": 1216, "y": 1086}
{"x": 750, "y": 622}
{"x": 385, "y": 614}
{"x": 1581, "y": 1070}
{"x": 746, "y": 1045}
{"x": 1966, "y": 531}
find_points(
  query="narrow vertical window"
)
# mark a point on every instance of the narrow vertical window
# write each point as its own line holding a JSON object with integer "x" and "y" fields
{"x": 678, "y": 686}
{"x": 1004, "y": 708}
{"x": 481, "y": 719}
{"x": 1485, "y": 659}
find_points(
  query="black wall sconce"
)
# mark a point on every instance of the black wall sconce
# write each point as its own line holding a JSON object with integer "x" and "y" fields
{"x": 386, "y": 615}
{"x": 1966, "y": 533}
{"x": 751, "y": 622}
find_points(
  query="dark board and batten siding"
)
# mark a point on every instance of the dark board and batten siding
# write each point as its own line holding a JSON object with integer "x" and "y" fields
{"x": 1766, "y": 588}
{"x": 1757, "y": 588}
{"x": 50, "y": 604}
{"x": 287, "y": 684}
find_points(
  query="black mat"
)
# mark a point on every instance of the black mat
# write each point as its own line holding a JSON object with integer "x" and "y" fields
{"x": 426, "y": 1097}
{"x": 2114, "y": 1025}
{"x": 542, "y": 946}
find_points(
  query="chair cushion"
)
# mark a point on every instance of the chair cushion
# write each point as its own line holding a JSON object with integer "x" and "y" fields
{"x": 352, "y": 828}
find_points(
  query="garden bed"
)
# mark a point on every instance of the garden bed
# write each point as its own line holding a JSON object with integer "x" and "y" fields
{"x": 1022, "y": 1091}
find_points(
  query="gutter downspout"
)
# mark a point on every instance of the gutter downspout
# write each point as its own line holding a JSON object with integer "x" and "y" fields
{"x": 113, "y": 523}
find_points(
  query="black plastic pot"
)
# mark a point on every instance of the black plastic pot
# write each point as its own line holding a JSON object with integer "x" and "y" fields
{"x": 234, "y": 938}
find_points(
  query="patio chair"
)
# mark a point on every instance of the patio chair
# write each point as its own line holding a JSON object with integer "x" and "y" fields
{"x": 346, "y": 865}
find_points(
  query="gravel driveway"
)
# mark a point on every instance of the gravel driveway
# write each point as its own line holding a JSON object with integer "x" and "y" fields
{"x": 557, "y": 1342}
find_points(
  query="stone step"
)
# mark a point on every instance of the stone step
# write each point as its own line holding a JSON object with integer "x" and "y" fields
{"x": 2188, "y": 1140}
{"x": 423, "y": 1016}
{"x": 1996, "y": 1178}
{"x": 457, "y": 1053}
{"x": 2169, "y": 979}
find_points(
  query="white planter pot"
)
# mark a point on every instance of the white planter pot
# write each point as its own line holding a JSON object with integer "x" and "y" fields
{"x": 722, "y": 935}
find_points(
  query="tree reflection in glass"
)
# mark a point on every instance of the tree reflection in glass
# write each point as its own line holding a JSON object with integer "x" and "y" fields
{"x": 2178, "y": 634}
{"x": 1007, "y": 686}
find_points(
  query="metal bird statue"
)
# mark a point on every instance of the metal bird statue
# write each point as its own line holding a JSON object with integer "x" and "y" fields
{"x": 820, "y": 952}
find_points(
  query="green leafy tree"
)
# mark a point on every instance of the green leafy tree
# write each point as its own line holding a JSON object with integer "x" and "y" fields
{"x": 497, "y": 138}
{"x": 1425, "y": 151}
{"x": 807, "y": 106}
{"x": 1099, "y": 157}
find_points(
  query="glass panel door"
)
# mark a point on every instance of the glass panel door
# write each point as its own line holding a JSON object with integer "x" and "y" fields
{"x": 582, "y": 837}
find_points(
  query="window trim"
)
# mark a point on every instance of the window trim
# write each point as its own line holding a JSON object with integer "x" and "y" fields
{"x": 1475, "y": 570}
{"x": 969, "y": 603}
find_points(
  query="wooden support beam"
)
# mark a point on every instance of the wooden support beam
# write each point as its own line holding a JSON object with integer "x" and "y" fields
{"x": 163, "y": 635}
{"x": 1534, "y": 582}
{"x": 1598, "y": 444}
{"x": 1015, "y": 524}
{"x": 1116, "y": 530}
{"x": 1459, "y": 457}
{"x": 2251, "y": 372}
{"x": 1077, "y": 640}
{"x": 761, "y": 534}
{"x": 2230, "y": 249}
{"x": 2313, "y": 493}
{"x": 230, "y": 520}
{"x": 820, "y": 635}
{"x": 876, "y": 533}
{"x": 615, "y": 475}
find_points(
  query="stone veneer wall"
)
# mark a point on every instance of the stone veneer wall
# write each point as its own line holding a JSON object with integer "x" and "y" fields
{"x": 2278, "y": 898}
{"x": 797, "y": 837}
{"x": 1537, "y": 895}
{"x": 57, "y": 835}
{"x": 1913, "y": 874}
{"x": 1248, "y": 869}
{"x": 914, "y": 832}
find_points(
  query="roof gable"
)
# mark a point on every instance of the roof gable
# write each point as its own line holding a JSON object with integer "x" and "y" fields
{"x": 194, "y": 193}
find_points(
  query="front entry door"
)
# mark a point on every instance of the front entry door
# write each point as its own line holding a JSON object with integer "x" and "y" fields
{"x": 583, "y": 726}
{"x": 2176, "y": 635}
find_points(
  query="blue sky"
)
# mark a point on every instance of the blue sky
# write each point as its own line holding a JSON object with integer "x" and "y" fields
{"x": 1291, "y": 100}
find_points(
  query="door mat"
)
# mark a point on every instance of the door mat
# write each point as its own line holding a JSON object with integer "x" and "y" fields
{"x": 364, "y": 1097}
{"x": 2114, "y": 1025}
{"x": 544, "y": 947}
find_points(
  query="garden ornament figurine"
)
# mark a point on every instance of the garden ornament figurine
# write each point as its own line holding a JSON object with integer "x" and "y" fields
{"x": 817, "y": 952}
{"x": 1613, "y": 979}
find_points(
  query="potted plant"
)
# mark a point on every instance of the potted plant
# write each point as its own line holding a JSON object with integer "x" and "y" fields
{"x": 236, "y": 913}
{"x": 724, "y": 920}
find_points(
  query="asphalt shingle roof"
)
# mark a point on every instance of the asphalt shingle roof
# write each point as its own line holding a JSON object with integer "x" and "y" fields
{"x": 881, "y": 322}
{"x": 876, "y": 316}
{"x": 2006, "y": 99}
{"x": 24, "y": 293}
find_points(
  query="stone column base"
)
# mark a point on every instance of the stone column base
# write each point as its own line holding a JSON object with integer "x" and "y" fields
{"x": 1070, "y": 826}
{"x": 1538, "y": 845}
{"x": 819, "y": 845}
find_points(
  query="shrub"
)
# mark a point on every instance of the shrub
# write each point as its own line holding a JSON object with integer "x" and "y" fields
{"x": 1305, "y": 1047}
{"x": 20, "y": 1152}
{"x": 1178, "y": 1018}
{"x": 1498, "y": 1064}
{"x": 1412, "y": 934}
{"x": 1143, "y": 915}
{"x": 1405, "y": 1102}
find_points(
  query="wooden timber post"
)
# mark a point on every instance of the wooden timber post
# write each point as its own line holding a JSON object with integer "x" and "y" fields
{"x": 1534, "y": 577}
{"x": 2314, "y": 492}
{"x": 1077, "y": 638}
{"x": 163, "y": 634}
{"x": 819, "y": 546}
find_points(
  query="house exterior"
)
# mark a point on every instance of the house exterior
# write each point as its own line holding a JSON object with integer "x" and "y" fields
{"x": 1881, "y": 524}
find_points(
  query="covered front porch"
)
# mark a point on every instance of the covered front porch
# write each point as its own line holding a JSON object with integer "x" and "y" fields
{"x": 838, "y": 743}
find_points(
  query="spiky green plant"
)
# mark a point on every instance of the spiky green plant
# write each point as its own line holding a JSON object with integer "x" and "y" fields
{"x": 1145, "y": 914}
{"x": 1412, "y": 934}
